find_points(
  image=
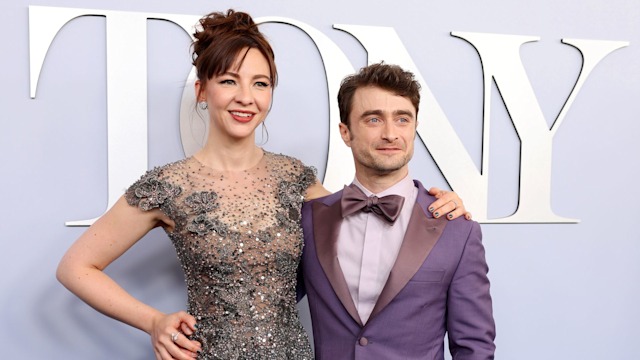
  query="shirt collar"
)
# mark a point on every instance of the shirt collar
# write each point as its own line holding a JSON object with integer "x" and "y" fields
{"x": 404, "y": 187}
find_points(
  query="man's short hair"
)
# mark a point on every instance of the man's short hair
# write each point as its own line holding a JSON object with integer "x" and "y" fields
{"x": 385, "y": 76}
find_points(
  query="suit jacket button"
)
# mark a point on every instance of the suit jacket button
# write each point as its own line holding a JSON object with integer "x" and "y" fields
{"x": 363, "y": 341}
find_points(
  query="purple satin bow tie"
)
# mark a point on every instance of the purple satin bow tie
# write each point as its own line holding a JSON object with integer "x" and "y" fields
{"x": 387, "y": 207}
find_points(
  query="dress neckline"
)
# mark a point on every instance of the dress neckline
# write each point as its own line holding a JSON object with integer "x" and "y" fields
{"x": 256, "y": 165}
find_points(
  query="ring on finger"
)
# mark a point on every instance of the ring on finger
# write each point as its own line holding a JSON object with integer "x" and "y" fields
{"x": 174, "y": 337}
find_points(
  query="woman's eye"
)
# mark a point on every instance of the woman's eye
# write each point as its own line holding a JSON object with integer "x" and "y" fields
{"x": 262, "y": 84}
{"x": 227, "y": 82}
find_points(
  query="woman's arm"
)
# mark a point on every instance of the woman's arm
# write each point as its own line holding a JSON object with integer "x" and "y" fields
{"x": 315, "y": 191}
{"x": 81, "y": 271}
{"x": 448, "y": 203}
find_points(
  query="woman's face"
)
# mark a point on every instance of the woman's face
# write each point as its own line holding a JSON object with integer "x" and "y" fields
{"x": 239, "y": 99}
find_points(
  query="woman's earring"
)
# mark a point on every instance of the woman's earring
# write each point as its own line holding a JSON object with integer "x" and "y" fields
{"x": 203, "y": 105}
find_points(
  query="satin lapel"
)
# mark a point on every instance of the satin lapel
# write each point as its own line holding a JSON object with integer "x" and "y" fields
{"x": 422, "y": 234}
{"x": 326, "y": 227}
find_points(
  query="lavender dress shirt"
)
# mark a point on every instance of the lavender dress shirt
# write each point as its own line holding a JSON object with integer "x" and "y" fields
{"x": 368, "y": 247}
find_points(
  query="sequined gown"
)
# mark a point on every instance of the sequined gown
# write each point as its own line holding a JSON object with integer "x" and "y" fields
{"x": 239, "y": 241}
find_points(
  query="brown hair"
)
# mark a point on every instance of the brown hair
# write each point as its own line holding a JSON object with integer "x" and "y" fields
{"x": 220, "y": 39}
{"x": 387, "y": 77}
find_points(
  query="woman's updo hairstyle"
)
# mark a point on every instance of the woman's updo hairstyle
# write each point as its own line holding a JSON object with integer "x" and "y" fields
{"x": 219, "y": 40}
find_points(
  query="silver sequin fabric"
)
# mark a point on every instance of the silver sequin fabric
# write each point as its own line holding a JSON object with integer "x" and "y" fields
{"x": 239, "y": 240}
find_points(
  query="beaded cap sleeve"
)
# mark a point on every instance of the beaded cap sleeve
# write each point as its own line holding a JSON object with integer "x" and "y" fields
{"x": 239, "y": 240}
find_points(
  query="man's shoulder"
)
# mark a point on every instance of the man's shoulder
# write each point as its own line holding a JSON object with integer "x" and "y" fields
{"x": 308, "y": 206}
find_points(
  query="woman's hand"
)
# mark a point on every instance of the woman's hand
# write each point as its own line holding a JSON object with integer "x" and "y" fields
{"x": 169, "y": 337}
{"x": 449, "y": 203}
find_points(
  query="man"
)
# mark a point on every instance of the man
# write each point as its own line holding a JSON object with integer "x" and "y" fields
{"x": 384, "y": 278}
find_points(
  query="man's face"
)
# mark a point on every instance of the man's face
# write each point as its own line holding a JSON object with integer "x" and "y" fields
{"x": 381, "y": 133}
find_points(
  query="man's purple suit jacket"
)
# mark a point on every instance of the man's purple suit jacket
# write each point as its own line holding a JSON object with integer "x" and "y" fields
{"x": 438, "y": 284}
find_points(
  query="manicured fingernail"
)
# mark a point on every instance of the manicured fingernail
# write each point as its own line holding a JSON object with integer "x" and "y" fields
{"x": 436, "y": 214}
{"x": 450, "y": 216}
{"x": 431, "y": 209}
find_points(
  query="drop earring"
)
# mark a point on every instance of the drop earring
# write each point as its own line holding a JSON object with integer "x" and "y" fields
{"x": 203, "y": 105}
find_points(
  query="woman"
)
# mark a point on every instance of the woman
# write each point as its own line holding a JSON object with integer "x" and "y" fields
{"x": 232, "y": 212}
